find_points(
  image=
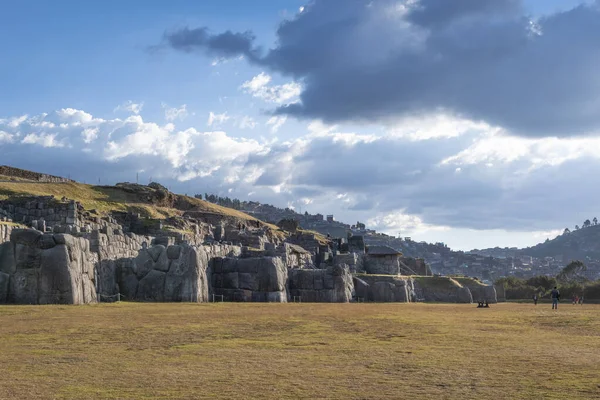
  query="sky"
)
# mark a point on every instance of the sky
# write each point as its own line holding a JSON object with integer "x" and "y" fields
{"x": 472, "y": 122}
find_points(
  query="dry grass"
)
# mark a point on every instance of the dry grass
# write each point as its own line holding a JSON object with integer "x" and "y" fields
{"x": 280, "y": 351}
{"x": 108, "y": 198}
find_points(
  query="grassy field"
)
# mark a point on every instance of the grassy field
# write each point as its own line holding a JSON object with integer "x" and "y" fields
{"x": 281, "y": 351}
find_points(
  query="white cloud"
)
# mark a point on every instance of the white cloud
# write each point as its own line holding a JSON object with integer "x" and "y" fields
{"x": 131, "y": 107}
{"x": 216, "y": 119}
{"x": 506, "y": 149}
{"x": 259, "y": 87}
{"x": 90, "y": 134}
{"x": 175, "y": 113}
{"x": 247, "y": 123}
{"x": 399, "y": 223}
{"x": 42, "y": 139}
{"x": 434, "y": 126}
{"x": 5, "y": 137}
{"x": 393, "y": 182}
{"x": 276, "y": 123}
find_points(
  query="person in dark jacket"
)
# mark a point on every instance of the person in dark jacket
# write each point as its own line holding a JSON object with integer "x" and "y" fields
{"x": 555, "y": 295}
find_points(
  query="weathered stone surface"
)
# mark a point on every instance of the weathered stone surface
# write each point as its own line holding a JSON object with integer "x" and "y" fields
{"x": 156, "y": 251}
{"x": 25, "y": 236}
{"x": 128, "y": 281}
{"x": 441, "y": 289}
{"x": 8, "y": 263}
{"x": 27, "y": 256}
{"x": 143, "y": 263}
{"x": 44, "y": 272}
{"x": 107, "y": 279}
{"x": 152, "y": 287}
{"x": 249, "y": 279}
{"x": 186, "y": 279}
{"x": 331, "y": 285}
{"x": 4, "y": 281}
{"x": 23, "y": 287}
{"x": 480, "y": 292}
{"x": 55, "y": 277}
{"x": 47, "y": 241}
{"x": 163, "y": 262}
{"x": 382, "y": 264}
{"x": 173, "y": 252}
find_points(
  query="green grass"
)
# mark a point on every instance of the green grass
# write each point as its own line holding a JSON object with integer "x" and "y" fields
{"x": 289, "y": 351}
{"x": 437, "y": 281}
{"x": 468, "y": 281}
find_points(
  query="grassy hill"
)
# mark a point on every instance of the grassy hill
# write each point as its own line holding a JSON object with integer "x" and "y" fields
{"x": 152, "y": 201}
{"x": 577, "y": 244}
{"x": 116, "y": 198}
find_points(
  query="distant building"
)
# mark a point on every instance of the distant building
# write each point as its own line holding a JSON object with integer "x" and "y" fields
{"x": 330, "y": 218}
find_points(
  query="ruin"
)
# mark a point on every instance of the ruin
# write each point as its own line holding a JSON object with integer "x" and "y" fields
{"x": 54, "y": 251}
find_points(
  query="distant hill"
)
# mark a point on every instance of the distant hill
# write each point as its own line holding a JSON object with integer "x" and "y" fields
{"x": 579, "y": 244}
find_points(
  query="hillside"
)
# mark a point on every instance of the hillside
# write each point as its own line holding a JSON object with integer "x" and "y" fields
{"x": 581, "y": 244}
{"x": 148, "y": 201}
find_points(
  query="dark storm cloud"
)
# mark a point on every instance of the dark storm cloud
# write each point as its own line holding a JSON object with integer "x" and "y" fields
{"x": 227, "y": 44}
{"x": 376, "y": 61}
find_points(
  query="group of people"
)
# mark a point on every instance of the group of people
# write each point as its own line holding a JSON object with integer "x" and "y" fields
{"x": 555, "y": 296}
{"x": 577, "y": 300}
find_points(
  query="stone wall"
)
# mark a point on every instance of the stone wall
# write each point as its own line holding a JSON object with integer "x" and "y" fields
{"x": 414, "y": 266}
{"x": 294, "y": 256}
{"x": 305, "y": 240}
{"x": 384, "y": 289}
{"x": 331, "y": 285}
{"x": 354, "y": 261}
{"x": 42, "y": 213}
{"x": 260, "y": 279}
{"x": 5, "y": 231}
{"x": 441, "y": 289}
{"x": 48, "y": 268}
{"x": 33, "y": 176}
{"x": 127, "y": 262}
{"x": 164, "y": 274}
{"x": 384, "y": 264}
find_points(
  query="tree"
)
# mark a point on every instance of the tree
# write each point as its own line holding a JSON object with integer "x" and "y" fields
{"x": 576, "y": 227}
{"x": 572, "y": 272}
{"x": 567, "y": 231}
{"x": 595, "y": 221}
{"x": 586, "y": 223}
{"x": 542, "y": 281}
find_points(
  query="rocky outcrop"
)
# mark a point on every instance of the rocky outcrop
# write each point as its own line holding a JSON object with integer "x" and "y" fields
{"x": 441, "y": 289}
{"x": 261, "y": 279}
{"x": 384, "y": 289}
{"x": 331, "y": 285}
{"x": 354, "y": 261}
{"x": 479, "y": 291}
{"x": 414, "y": 266}
{"x": 382, "y": 264}
{"x": 46, "y": 269}
{"x": 177, "y": 273}
{"x": 6, "y": 170}
{"x": 294, "y": 256}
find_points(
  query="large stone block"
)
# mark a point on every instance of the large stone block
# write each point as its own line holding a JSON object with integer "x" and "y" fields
{"x": 55, "y": 280}
{"x": 28, "y": 237}
{"x": 8, "y": 263}
{"x": 4, "y": 281}
{"x": 152, "y": 286}
{"x": 23, "y": 287}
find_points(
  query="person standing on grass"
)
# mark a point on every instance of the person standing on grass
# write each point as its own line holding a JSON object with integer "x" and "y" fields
{"x": 555, "y": 294}
{"x": 535, "y": 299}
{"x": 581, "y": 300}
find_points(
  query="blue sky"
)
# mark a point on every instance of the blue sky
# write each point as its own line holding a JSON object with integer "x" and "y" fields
{"x": 476, "y": 154}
